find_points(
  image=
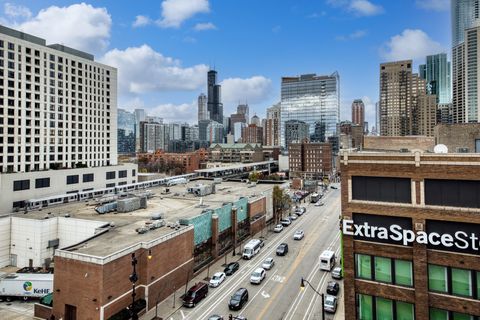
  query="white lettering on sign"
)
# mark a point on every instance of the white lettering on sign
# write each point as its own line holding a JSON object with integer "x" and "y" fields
{"x": 459, "y": 239}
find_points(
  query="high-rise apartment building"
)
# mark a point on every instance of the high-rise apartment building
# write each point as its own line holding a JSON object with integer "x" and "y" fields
{"x": 140, "y": 116}
{"x": 58, "y": 111}
{"x": 252, "y": 134}
{"x": 436, "y": 72}
{"x": 154, "y": 136}
{"x": 358, "y": 112}
{"x": 423, "y": 109}
{"x": 472, "y": 81}
{"x": 126, "y": 132}
{"x": 311, "y": 98}
{"x": 465, "y": 15}
{"x": 272, "y": 126}
{"x": 458, "y": 83}
{"x": 395, "y": 98}
{"x": 312, "y": 160}
{"x": 296, "y": 131}
{"x": 215, "y": 132}
{"x": 214, "y": 97}
{"x": 245, "y": 110}
{"x": 202, "y": 108}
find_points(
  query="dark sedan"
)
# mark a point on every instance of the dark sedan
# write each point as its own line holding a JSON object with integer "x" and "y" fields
{"x": 231, "y": 268}
{"x": 333, "y": 287}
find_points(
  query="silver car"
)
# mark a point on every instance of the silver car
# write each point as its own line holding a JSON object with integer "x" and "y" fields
{"x": 330, "y": 304}
{"x": 257, "y": 276}
{"x": 268, "y": 264}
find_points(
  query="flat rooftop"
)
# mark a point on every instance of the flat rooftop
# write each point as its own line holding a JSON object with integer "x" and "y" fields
{"x": 175, "y": 205}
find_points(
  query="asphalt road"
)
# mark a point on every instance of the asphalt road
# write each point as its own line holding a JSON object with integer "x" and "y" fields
{"x": 279, "y": 295}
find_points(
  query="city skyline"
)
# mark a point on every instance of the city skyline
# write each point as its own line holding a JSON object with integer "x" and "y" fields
{"x": 179, "y": 45}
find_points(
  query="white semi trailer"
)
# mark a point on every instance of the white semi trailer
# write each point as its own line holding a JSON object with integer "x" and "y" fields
{"x": 25, "y": 285}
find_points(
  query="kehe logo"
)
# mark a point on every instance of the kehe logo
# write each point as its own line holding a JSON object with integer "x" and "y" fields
{"x": 459, "y": 239}
{"x": 27, "y": 286}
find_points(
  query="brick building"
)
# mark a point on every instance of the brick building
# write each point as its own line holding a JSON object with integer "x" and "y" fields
{"x": 187, "y": 162}
{"x": 459, "y": 137}
{"x": 410, "y": 235}
{"x": 252, "y": 134}
{"x": 312, "y": 160}
{"x": 237, "y": 152}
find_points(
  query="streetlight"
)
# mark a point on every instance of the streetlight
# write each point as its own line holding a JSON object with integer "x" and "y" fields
{"x": 133, "y": 279}
{"x": 302, "y": 287}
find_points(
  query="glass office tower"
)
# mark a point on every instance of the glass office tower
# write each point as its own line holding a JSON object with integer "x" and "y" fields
{"x": 311, "y": 99}
{"x": 437, "y": 74}
{"x": 126, "y": 132}
{"x": 465, "y": 15}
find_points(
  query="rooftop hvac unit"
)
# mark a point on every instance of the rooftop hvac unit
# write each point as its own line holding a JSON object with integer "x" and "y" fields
{"x": 462, "y": 150}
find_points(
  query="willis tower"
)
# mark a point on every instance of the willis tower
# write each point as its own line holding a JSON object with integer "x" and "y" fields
{"x": 214, "y": 105}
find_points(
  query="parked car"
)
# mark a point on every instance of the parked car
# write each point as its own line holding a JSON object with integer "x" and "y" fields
{"x": 238, "y": 300}
{"x": 333, "y": 287}
{"x": 278, "y": 228}
{"x": 319, "y": 204}
{"x": 195, "y": 294}
{"x": 300, "y": 210}
{"x": 285, "y": 222}
{"x": 257, "y": 276}
{"x": 215, "y": 317}
{"x": 337, "y": 273}
{"x": 330, "y": 304}
{"x": 217, "y": 279}
{"x": 268, "y": 263}
{"x": 231, "y": 268}
{"x": 299, "y": 234}
{"x": 293, "y": 217}
{"x": 282, "y": 249}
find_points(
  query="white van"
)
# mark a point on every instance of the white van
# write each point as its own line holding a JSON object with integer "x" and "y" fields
{"x": 327, "y": 260}
{"x": 251, "y": 248}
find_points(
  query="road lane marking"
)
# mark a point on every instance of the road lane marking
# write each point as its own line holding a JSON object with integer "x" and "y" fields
{"x": 265, "y": 295}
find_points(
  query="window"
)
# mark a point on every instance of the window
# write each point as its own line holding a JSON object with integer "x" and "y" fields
{"x": 72, "y": 179}
{"x": 122, "y": 183}
{"x": 455, "y": 193}
{"x": 438, "y": 314}
{"x": 133, "y": 172}
{"x": 88, "y": 177}
{"x": 110, "y": 175}
{"x": 110, "y": 185}
{"x": 21, "y": 185}
{"x": 381, "y": 189}
{"x": 383, "y": 269}
{"x": 377, "y": 308}
{"x": 122, "y": 174}
{"x": 364, "y": 266}
{"x": 437, "y": 278}
{"x": 42, "y": 183}
{"x": 461, "y": 282}
{"x": 384, "y": 309}
{"x": 478, "y": 283}
{"x": 403, "y": 273}
{"x": 19, "y": 204}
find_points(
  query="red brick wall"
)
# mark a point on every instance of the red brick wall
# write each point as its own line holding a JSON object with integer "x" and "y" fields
{"x": 256, "y": 207}
{"x": 41, "y": 311}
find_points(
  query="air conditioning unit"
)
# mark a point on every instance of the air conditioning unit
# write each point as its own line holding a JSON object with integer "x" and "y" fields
{"x": 462, "y": 150}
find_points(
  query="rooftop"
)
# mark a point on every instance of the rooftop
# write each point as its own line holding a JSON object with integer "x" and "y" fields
{"x": 177, "y": 204}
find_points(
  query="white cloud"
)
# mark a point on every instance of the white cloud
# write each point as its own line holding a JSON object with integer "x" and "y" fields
{"x": 142, "y": 70}
{"x": 204, "y": 26}
{"x": 174, "y": 12}
{"x": 141, "y": 21}
{"x": 437, "y": 5}
{"x": 410, "y": 44}
{"x": 365, "y": 8}
{"x": 185, "y": 112}
{"x": 352, "y": 36}
{"x": 358, "y": 7}
{"x": 14, "y": 11}
{"x": 253, "y": 90}
{"x": 79, "y": 26}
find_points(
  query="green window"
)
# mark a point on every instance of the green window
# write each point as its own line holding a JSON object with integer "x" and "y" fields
{"x": 364, "y": 266}
{"x": 461, "y": 282}
{"x": 405, "y": 311}
{"x": 478, "y": 284}
{"x": 383, "y": 269}
{"x": 384, "y": 308}
{"x": 403, "y": 273}
{"x": 461, "y": 316}
{"x": 437, "y": 278}
{"x": 437, "y": 314}
{"x": 365, "y": 307}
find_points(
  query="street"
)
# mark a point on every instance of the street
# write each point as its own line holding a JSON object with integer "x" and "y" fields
{"x": 279, "y": 295}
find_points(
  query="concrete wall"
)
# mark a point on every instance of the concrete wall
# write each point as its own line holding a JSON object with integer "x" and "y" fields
{"x": 456, "y": 136}
{"x": 397, "y": 143}
{"x": 72, "y": 231}
{"x": 5, "y": 235}
{"x": 58, "y": 183}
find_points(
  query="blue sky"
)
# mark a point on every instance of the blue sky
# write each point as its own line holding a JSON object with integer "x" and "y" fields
{"x": 164, "y": 48}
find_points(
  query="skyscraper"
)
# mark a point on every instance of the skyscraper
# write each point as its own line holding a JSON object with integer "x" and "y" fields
{"x": 472, "y": 83}
{"x": 140, "y": 116}
{"x": 295, "y": 131}
{"x": 244, "y": 109}
{"x": 395, "y": 98}
{"x": 214, "y": 104}
{"x": 436, "y": 72}
{"x": 465, "y": 15}
{"x": 202, "y": 108}
{"x": 272, "y": 126}
{"x": 311, "y": 98}
{"x": 358, "y": 112}
{"x": 126, "y": 132}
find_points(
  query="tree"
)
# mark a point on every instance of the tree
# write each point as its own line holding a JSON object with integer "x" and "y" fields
{"x": 281, "y": 201}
